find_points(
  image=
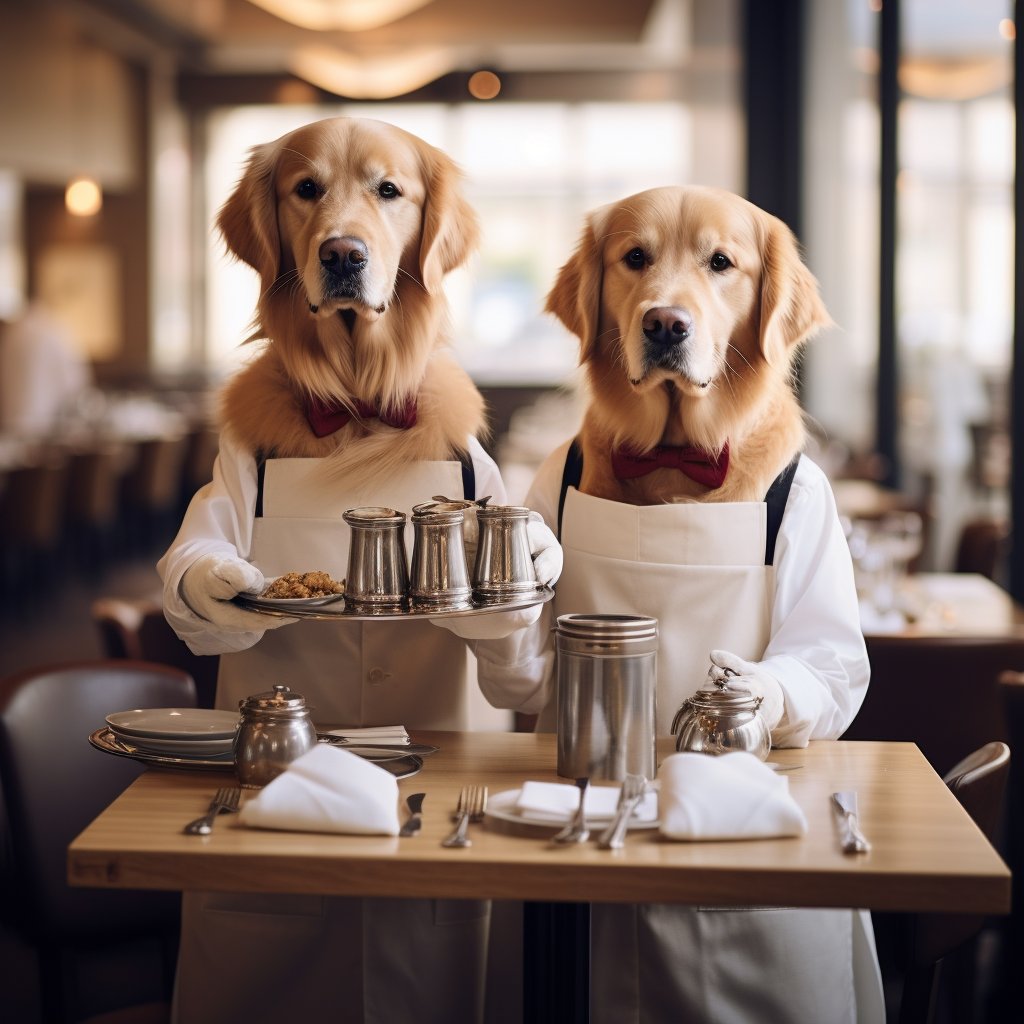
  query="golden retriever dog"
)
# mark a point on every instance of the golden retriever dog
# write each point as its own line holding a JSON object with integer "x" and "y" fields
{"x": 352, "y": 225}
{"x": 690, "y": 304}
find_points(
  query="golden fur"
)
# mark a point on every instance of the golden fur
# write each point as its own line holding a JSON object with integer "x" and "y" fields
{"x": 377, "y": 336}
{"x": 730, "y": 380}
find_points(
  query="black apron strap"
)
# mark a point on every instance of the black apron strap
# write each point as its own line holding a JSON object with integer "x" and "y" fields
{"x": 261, "y": 472}
{"x": 468, "y": 476}
{"x": 775, "y": 499}
{"x": 571, "y": 474}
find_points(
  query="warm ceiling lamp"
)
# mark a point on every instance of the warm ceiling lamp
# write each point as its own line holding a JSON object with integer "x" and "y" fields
{"x": 343, "y": 15}
{"x": 377, "y": 78}
{"x": 83, "y": 197}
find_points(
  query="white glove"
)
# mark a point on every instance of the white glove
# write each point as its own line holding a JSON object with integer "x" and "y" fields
{"x": 752, "y": 677}
{"x": 489, "y": 625}
{"x": 212, "y": 581}
{"x": 544, "y": 549}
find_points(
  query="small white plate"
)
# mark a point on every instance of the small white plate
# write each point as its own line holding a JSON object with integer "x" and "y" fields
{"x": 192, "y": 723}
{"x": 502, "y": 807}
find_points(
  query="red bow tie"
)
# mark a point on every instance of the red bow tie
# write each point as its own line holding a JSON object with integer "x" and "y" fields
{"x": 697, "y": 463}
{"x": 325, "y": 418}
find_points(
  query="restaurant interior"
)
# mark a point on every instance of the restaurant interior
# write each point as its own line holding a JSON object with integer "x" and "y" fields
{"x": 883, "y": 132}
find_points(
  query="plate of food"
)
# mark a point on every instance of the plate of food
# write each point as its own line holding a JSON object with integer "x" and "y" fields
{"x": 300, "y": 590}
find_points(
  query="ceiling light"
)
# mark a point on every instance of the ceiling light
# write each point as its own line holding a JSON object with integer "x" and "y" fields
{"x": 83, "y": 197}
{"x": 343, "y": 15}
{"x": 379, "y": 78}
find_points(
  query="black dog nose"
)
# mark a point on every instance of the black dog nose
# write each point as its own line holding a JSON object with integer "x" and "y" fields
{"x": 667, "y": 325}
{"x": 345, "y": 257}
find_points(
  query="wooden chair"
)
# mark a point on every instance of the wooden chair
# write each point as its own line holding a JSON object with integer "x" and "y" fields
{"x": 983, "y": 546}
{"x": 54, "y": 784}
{"x": 138, "y": 629}
{"x": 979, "y": 783}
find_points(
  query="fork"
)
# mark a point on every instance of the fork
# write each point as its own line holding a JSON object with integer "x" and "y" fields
{"x": 630, "y": 795}
{"x": 471, "y": 806}
{"x": 576, "y": 831}
{"x": 224, "y": 800}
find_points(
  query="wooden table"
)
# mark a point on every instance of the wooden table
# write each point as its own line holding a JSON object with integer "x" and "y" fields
{"x": 927, "y": 853}
{"x": 954, "y": 604}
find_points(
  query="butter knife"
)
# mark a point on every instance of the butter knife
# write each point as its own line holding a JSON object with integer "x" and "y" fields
{"x": 414, "y": 822}
{"x": 852, "y": 838}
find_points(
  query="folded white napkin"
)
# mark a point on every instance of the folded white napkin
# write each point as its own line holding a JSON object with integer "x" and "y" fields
{"x": 558, "y": 801}
{"x": 327, "y": 790}
{"x": 389, "y": 734}
{"x": 732, "y": 796}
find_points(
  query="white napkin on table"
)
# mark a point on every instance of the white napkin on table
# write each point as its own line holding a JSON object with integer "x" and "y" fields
{"x": 392, "y": 735}
{"x": 327, "y": 789}
{"x": 731, "y": 796}
{"x": 558, "y": 801}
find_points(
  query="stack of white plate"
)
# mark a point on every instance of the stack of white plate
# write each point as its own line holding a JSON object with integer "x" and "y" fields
{"x": 200, "y": 734}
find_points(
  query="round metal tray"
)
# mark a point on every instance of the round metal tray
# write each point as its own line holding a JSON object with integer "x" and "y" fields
{"x": 342, "y": 610}
{"x": 401, "y": 766}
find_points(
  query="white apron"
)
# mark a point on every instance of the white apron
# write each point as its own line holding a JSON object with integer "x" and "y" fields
{"x": 699, "y": 569}
{"x": 277, "y": 958}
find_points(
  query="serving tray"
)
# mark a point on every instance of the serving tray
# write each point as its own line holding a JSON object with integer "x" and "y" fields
{"x": 402, "y": 766}
{"x": 340, "y": 609}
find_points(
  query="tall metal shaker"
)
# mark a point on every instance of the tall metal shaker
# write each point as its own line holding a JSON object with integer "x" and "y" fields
{"x": 606, "y": 696}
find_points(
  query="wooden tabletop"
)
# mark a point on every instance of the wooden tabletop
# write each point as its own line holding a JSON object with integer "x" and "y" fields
{"x": 927, "y": 854}
{"x": 954, "y": 604}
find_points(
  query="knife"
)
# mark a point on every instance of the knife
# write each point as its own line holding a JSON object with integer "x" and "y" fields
{"x": 414, "y": 821}
{"x": 852, "y": 838}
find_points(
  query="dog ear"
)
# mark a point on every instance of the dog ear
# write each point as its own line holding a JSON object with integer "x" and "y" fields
{"x": 451, "y": 229}
{"x": 248, "y": 219}
{"x": 791, "y": 307}
{"x": 575, "y": 297}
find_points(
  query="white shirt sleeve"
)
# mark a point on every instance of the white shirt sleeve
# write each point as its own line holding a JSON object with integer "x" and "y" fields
{"x": 218, "y": 521}
{"x": 816, "y": 650}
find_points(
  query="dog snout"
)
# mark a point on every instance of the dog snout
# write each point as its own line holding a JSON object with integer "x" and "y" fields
{"x": 344, "y": 257}
{"x": 667, "y": 325}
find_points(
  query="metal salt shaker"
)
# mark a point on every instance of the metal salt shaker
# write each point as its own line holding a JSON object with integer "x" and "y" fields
{"x": 378, "y": 571}
{"x": 503, "y": 569}
{"x": 439, "y": 577}
{"x": 274, "y": 729}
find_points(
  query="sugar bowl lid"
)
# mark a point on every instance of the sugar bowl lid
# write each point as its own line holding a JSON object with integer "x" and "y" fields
{"x": 280, "y": 698}
{"x": 724, "y": 696}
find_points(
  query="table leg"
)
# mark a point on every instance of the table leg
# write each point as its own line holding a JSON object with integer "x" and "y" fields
{"x": 556, "y": 963}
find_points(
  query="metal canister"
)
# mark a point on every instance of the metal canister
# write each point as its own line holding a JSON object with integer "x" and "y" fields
{"x": 439, "y": 577}
{"x": 606, "y": 699}
{"x": 378, "y": 570}
{"x": 274, "y": 729}
{"x": 503, "y": 568}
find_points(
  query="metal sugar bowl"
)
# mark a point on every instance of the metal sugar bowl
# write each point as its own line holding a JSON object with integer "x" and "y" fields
{"x": 720, "y": 719}
{"x": 274, "y": 729}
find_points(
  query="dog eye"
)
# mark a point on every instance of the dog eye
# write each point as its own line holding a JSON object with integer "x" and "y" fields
{"x": 719, "y": 262}
{"x": 635, "y": 259}
{"x": 307, "y": 189}
{"x": 388, "y": 190}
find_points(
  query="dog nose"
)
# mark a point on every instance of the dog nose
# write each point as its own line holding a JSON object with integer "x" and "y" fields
{"x": 667, "y": 325}
{"x": 345, "y": 257}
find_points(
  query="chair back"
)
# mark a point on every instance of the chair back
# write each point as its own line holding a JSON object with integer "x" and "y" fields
{"x": 55, "y": 783}
{"x": 940, "y": 692}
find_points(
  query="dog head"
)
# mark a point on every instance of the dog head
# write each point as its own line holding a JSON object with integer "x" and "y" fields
{"x": 688, "y": 302}
{"x": 345, "y": 217}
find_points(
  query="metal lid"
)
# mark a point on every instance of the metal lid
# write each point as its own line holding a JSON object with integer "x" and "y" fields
{"x": 724, "y": 696}
{"x": 607, "y": 627}
{"x": 280, "y": 698}
{"x": 488, "y": 512}
{"x": 441, "y": 511}
{"x": 373, "y": 517}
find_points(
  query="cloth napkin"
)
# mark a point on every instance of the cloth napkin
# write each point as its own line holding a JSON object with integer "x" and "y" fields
{"x": 327, "y": 789}
{"x": 557, "y": 801}
{"x": 392, "y": 735}
{"x": 731, "y": 796}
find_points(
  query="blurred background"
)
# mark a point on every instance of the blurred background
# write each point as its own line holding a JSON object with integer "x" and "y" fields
{"x": 883, "y": 135}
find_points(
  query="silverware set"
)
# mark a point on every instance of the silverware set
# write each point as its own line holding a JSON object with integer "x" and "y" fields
{"x": 471, "y": 808}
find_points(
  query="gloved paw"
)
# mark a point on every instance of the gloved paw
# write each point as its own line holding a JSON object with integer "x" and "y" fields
{"x": 545, "y": 550}
{"x": 212, "y": 582}
{"x": 751, "y": 676}
{"x": 489, "y": 625}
